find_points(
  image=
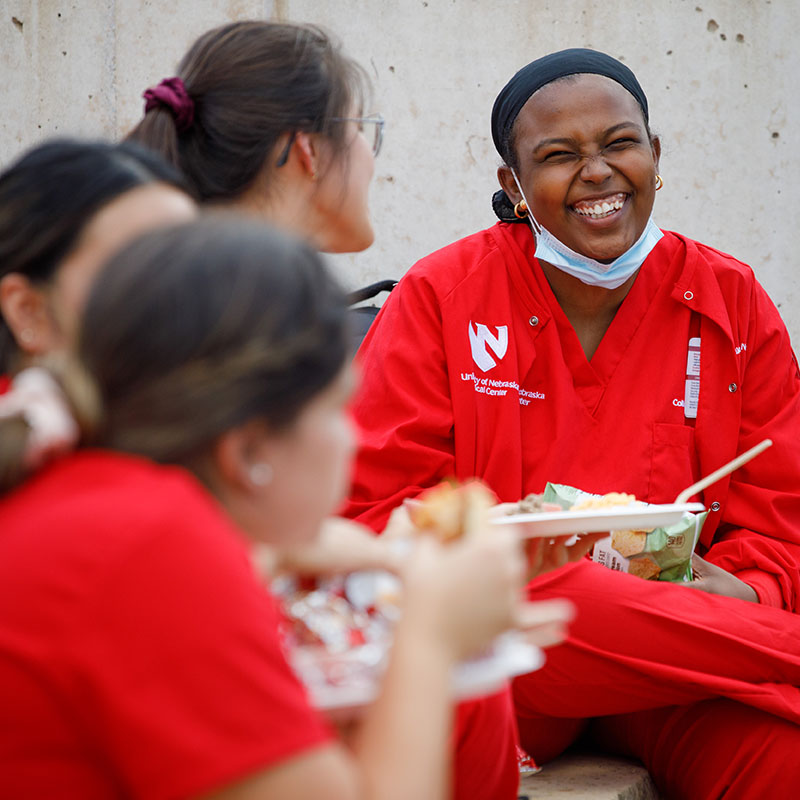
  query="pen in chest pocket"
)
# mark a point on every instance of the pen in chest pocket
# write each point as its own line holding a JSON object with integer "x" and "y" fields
{"x": 692, "y": 386}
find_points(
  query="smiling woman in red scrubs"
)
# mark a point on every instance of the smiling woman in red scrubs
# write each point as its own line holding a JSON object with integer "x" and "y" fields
{"x": 553, "y": 347}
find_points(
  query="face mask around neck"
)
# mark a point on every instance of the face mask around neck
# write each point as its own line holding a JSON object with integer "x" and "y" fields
{"x": 585, "y": 269}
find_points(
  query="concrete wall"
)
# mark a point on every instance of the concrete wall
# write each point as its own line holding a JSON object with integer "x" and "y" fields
{"x": 718, "y": 75}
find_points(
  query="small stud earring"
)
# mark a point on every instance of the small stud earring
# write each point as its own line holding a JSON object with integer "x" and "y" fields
{"x": 521, "y": 210}
{"x": 659, "y": 182}
{"x": 27, "y": 336}
{"x": 260, "y": 474}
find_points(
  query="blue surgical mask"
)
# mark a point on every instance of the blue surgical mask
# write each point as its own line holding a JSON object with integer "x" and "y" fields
{"x": 585, "y": 269}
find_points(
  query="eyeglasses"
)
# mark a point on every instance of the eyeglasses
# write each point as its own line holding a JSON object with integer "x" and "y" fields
{"x": 377, "y": 137}
{"x": 284, "y": 157}
{"x": 374, "y": 119}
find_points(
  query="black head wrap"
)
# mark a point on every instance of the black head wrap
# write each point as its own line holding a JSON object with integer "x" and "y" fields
{"x": 531, "y": 78}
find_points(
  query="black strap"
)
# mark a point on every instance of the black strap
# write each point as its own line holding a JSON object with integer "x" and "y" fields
{"x": 359, "y": 295}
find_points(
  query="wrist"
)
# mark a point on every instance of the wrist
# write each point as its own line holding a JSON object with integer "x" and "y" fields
{"x": 421, "y": 632}
{"x": 749, "y": 593}
{"x": 766, "y": 586}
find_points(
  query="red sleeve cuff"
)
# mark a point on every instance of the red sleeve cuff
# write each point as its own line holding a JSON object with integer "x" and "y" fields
{"x": 766, "y": 586}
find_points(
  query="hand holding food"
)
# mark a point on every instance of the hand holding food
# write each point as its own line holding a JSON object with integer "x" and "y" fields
{"x": 469, "y": 592}
{"x": 343, "y": 546}
{"x": 471, "y": 587}
{"x": 451, "y": 511}
{"x": 464, "y": 595}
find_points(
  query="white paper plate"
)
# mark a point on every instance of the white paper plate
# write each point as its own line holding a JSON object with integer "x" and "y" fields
{"x": 511, "y": 656}
{"x": 590, "y": 520}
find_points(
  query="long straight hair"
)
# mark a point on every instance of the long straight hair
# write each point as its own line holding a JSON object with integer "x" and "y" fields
{"x": 194, "y": 330}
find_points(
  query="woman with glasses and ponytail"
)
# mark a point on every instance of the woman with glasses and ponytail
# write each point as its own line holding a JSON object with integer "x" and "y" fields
{"x": 269, "y": 119}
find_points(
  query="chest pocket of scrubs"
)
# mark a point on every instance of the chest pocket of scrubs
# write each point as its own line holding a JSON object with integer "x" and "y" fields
{"x": 673, "y": 461}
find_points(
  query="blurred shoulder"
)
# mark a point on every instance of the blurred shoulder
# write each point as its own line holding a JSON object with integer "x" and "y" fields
{"x": 100, "y": 490}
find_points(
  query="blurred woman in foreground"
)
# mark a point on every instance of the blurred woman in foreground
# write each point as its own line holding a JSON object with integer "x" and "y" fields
{"x": 139, "y": 654}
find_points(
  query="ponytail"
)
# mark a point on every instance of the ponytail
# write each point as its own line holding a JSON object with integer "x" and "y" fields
{"x": 14, "y": 432}
{"x": 169, "y": 113}
{"x": 157, "y": 130}
{"x": 46, "y": 412}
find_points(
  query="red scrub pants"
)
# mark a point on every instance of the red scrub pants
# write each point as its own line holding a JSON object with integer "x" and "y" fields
{"x": 485, "y": 762}
{"x": 702, "y": 689}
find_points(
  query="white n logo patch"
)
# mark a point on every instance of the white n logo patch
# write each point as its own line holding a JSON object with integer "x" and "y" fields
{"x": 481, "y": 338}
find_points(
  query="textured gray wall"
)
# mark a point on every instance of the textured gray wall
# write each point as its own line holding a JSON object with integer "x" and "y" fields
{"x": 718, "y": 75}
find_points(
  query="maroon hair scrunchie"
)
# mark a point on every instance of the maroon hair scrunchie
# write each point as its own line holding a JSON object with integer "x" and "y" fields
{"x": 172, "y": 93}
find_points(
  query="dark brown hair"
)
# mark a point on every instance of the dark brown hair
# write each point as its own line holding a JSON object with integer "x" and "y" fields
{"x": 251, "y": 83}
{"x": 194, "y": 330}
{"x": 49, "y": 195}
{"x": 191, "y": 332}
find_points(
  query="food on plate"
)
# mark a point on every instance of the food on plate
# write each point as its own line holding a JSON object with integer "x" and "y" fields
{"x": 336, "y": 635}
{"x": 609, "y": 500}
{"x": 338, "y": 630}
{"x": 629, "y": 543}
{"x": 319, "y": 613}
{"x": 532, "y": 504}
{"x": 644, "y": 567}
{"x": 663, "y": 554}
{"x": 451, "y": 510}
{"x": 540, "y": 503}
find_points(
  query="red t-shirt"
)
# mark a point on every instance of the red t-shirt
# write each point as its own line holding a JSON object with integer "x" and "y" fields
{"x": 139, "y": 655}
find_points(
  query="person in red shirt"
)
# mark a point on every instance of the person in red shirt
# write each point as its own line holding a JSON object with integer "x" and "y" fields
{"x": 139, "y": 653}
{"x": 553, "y": 347}
{"x": 65, "y": 207}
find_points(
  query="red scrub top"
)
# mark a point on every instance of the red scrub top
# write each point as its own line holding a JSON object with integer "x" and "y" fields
{"x": 472, "y": 369}
{"x": 139, "y": 655}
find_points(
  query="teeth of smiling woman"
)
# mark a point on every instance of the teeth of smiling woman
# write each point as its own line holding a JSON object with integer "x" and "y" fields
{"x": 601, "y": 208}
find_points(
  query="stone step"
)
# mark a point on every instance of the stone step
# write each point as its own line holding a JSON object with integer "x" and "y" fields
{"x": 583, "y": 776}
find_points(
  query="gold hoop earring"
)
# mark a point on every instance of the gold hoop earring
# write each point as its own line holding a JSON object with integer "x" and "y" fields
{"x": 659, "y": 181}
{"x": 521, "y": 210}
